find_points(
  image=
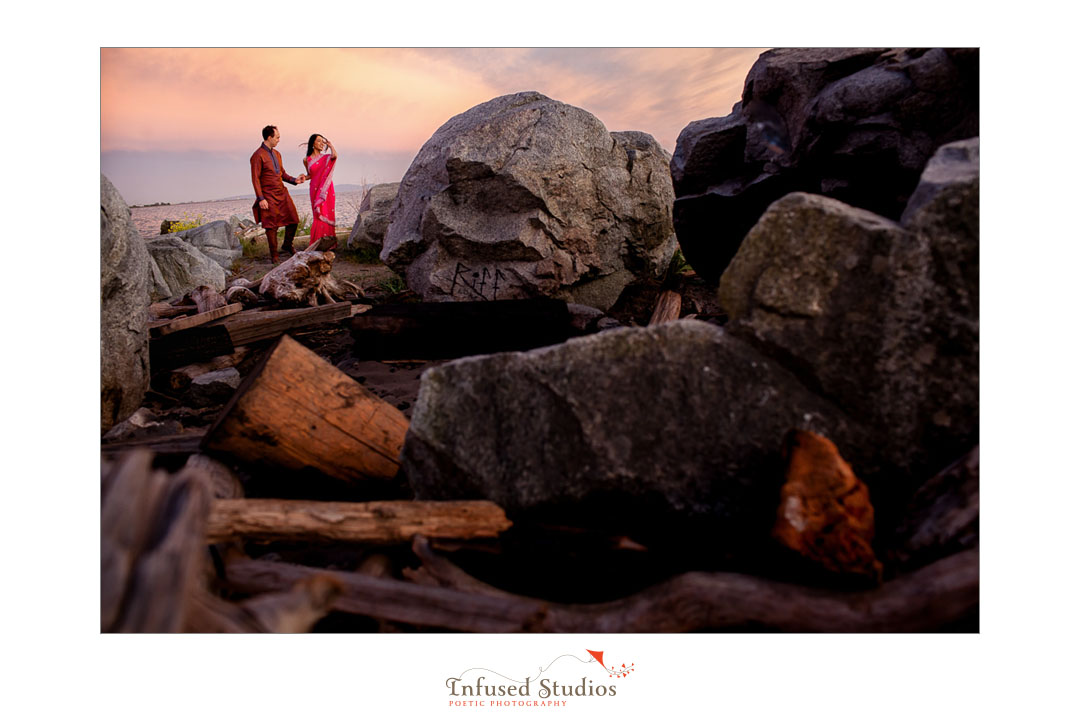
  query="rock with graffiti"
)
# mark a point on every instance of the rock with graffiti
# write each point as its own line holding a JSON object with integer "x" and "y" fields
{"x": 524, "y": 196}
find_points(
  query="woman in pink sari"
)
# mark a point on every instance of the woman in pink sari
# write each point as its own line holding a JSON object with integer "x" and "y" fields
{"x": 320, "y": 169}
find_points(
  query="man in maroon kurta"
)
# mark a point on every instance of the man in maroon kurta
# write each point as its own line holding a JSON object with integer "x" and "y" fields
{"x": 273, "y": 205}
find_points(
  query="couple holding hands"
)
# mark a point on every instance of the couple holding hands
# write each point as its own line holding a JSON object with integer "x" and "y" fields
{"x": 274, "y": 207}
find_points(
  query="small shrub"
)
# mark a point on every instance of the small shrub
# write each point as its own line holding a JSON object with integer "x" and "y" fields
{"x": 187, "y": 223}
{"x": 678, "y": 265}
{"x": 393, "y": 285}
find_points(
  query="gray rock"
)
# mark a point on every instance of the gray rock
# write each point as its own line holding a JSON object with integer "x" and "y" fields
{"x": 584, "y": 318}
{"x": 524, "y": 196}
{"x": 125, "y": 295}
{"x": 854, "y": 304}
{"x": 607, "y": 323}
{"x": 373, "y": 217}
{"x": 214, "y": 387}
{"x": 217, "y": 240}
{"x": 944, "y": 217}
{"x": 142, "y": 423}
{"x": 954, "y": 168}
{"x": 678, "y": 419}
{"x": 857, "y": 125}
{"x": 177, "y": 267}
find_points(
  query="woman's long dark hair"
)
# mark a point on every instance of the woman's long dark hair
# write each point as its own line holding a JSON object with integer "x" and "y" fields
{"x": 311, "y": 144}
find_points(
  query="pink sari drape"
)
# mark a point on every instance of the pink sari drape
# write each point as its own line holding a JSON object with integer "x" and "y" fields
{"x": 321, "y": 172}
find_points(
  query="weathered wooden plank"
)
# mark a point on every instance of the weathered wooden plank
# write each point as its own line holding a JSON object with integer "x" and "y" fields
{"x": 255, "y": 325}
{"x": 191, "y": 321}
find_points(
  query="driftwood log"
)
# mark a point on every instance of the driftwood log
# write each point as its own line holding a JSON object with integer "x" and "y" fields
{"x": 926, "y": 600}
{"x": 152, "y": 545}
{"x": 219, "y": 479}
{"x": 165, "y": 310}
{"x": 381, "y": 523}
{"x": 303, "y": 279}
{"x": 292, "y": 611}
{"x": 436, "y": 571}
{"x": 298, "y": 609}
{"x": 298, "y": 411}
{"x": 206, "y": 298}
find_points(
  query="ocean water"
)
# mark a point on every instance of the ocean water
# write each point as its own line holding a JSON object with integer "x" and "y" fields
{"x": 148, "y": 219}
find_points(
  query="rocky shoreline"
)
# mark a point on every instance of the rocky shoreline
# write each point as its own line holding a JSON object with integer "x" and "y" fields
{"x": 781, "y": 435}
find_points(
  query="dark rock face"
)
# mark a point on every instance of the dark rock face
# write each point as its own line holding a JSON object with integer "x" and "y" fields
{"x": 373, "y": 216}
{"x": 523, "y": 196}
{"x": 679, "y": 418}
{"x": 125, "y": 294}
{"x": 943, "y": 515}
{"x": 882, "y": 319}
{"x": 857, "y": 125}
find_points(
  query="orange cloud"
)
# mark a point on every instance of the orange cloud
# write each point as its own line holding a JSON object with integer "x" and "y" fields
{"x": 218, "y": 99}
{"x": 394, "y": 99}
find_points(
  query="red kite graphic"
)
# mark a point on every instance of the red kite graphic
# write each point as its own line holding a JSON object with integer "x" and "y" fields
{"x": 617, "y": 672}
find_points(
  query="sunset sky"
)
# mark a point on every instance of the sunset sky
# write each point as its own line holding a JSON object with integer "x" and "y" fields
{"x": 179, "y": 125}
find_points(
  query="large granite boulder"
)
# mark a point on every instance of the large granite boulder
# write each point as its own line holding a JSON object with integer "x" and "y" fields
{"x": 882, "y": 319}
{"x": 637, "y": 424}
{"x": 857, "y": 125}
{"x": 524, "y": 196}
{"x": 373, "y": 217}
{"x": 216, "y": 240}
{"x": 176, "y": 267}
{"x": 125, "y": 295}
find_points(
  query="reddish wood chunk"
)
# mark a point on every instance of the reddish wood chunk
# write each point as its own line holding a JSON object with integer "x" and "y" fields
{"x": 825, "y": 513}
{"x": 667, "y": 309}
{"x": 296, "y": 410}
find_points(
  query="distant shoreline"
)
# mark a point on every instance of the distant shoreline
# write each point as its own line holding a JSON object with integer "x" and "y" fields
{"x": 339, "y": 189}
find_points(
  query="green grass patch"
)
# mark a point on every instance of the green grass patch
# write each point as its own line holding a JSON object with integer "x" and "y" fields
{"x": 251, "y": 249}
{"x": 363, "y": 255}
{"x": 678, "y": 265}
{"x": 392, "y": 285}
